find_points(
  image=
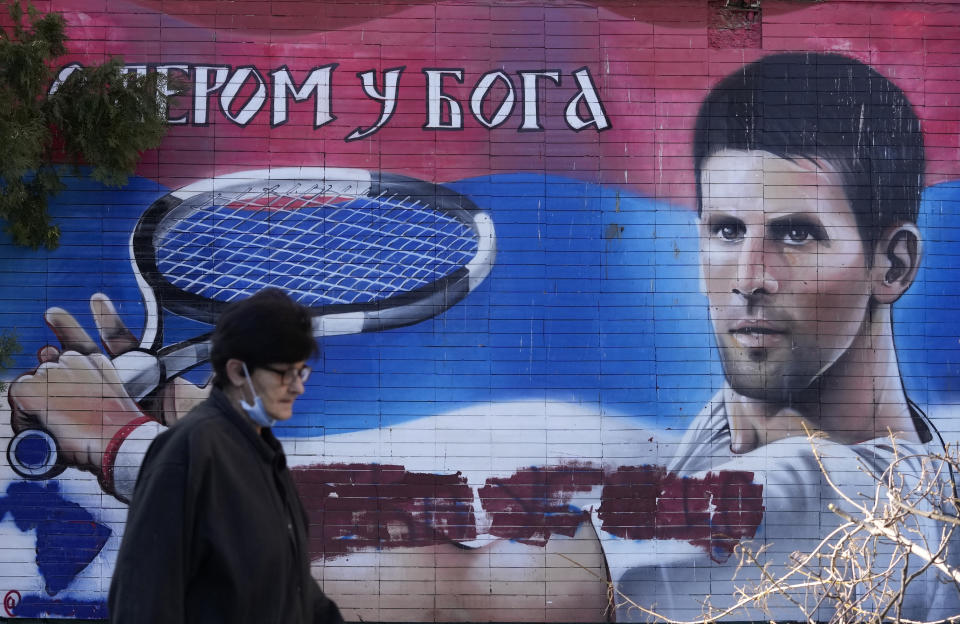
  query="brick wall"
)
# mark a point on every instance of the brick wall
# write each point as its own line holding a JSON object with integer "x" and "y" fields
{"x": 517, "y": 440}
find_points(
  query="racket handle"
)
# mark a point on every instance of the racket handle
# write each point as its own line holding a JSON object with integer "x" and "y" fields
{"x": 139, "y": 371}
{"x": 34, "y": 454}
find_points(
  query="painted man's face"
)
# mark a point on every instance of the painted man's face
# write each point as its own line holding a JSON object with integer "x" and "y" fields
{"x": 785, "y": 270}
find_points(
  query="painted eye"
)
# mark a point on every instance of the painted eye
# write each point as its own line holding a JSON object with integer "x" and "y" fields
{"x": 796, "y": 234}
{"x": 730, "y": 231}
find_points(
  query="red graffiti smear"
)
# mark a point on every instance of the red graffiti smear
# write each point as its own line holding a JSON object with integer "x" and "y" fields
{"x": 628, "y": 506}
{"x": 356, "y": 507}
{"x": 713, "y": 512}
{"x": 533, "y": 504}
{"x": 359, "y": 506}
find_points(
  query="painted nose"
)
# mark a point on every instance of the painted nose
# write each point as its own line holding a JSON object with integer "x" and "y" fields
{"x": 753, "y": 270}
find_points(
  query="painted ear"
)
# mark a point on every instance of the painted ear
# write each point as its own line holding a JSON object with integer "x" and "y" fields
{"x": 896, "y": 262}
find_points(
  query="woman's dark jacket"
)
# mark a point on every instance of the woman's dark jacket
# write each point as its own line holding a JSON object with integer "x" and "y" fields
{"x": 215, "y": 530}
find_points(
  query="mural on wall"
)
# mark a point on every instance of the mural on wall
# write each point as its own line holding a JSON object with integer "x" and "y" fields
{"x": 584, "y": 274}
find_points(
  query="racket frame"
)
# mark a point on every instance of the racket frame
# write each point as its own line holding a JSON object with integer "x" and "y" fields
{"x": 399, "y": 310}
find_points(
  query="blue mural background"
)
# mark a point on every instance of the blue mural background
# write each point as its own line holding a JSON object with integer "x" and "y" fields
{"x": 594, "y": 299}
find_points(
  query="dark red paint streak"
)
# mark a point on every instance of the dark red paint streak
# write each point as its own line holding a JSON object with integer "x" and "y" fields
{"x": 713, "y": 512}
{"x": 628, "y": 505}
{"x": 361, "y": 506}
{"x": 533, "y": 504}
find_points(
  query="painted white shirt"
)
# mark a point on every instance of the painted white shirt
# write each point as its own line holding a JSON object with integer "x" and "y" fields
{"x": 672, "y": 576}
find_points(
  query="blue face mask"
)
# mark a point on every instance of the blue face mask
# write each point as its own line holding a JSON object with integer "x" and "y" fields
{"x": 255, "y": 410}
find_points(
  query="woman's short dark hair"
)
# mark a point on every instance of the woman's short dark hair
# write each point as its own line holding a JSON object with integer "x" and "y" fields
{"x": 266, "y": 328}
{"x": 825, "y": 107}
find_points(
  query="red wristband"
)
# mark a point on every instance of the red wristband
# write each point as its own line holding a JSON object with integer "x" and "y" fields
{"x": 110, "y": 454}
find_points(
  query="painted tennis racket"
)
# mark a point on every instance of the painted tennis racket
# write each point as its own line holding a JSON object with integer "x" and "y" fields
{"x": 365, "y": 251}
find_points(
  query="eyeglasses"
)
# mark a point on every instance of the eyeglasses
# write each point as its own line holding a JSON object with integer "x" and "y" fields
{"x": 291, "y": 374}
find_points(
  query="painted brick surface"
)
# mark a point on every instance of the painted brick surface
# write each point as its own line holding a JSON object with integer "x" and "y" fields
{"x": 616, "y": 391}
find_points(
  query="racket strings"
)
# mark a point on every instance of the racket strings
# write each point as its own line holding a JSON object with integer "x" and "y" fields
{"x": 322, "y": 248}
{"x": 188, "y": 253}
{"x": 347, "y": 265}
{"x": 400, "y": 262}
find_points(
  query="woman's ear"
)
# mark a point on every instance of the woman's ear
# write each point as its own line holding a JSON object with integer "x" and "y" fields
{"x": 235, "y": 374}
{"x": 896, "y": 261}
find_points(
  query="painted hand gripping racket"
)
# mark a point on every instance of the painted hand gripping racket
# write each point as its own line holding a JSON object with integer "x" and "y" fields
{"x": 365, "y": 251}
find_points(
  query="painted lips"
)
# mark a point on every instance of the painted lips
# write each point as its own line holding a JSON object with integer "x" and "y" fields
{"x": 758, "y": 334}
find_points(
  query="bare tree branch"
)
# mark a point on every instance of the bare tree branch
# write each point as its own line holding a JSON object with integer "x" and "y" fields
{"x": 887, "y": 539}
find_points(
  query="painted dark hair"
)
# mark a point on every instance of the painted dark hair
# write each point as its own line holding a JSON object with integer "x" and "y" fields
{"x": 267, "y": 328}
{"x": 822, "y": 107}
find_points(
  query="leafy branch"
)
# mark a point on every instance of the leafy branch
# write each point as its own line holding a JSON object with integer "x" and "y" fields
{"x": 8, "y": 348}
{"x": 102, "y": 116}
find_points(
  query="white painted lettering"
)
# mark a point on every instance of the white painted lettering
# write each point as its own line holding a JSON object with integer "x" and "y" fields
{"x": 531, "y": 112}
{"x": 317, "y": 84}
{"x": 165, "y": 90}
{"x": 438, "y": 101}
{"x": 202, "y": 89}
{"x": 480, "y": 92}
{"x": 253, "y": 104}
{"x": 588, "y": 96}
{"x": 387, "y": 99}
{"x": 62, "y": 76}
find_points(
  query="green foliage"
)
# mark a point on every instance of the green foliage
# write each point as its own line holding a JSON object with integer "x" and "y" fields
{"x": 101, "y": 116}
{"x": 8, "y": 348}
{"x": 108, "y": 119}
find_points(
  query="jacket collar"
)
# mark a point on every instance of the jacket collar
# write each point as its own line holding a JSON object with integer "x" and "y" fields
{"x": 265, "y": 442}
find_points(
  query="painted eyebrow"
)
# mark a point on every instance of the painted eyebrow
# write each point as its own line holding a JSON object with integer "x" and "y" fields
{"x": 712, "y": 217}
